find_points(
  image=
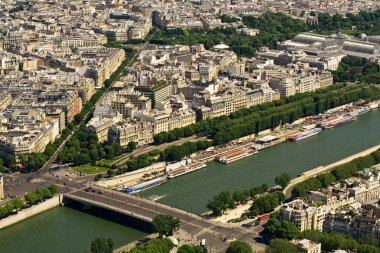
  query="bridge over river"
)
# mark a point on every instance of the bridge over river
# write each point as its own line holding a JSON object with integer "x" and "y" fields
{"x": 144, "y": 209}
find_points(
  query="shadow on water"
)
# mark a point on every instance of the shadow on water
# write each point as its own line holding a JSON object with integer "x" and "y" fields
{"x": 112, "y": 216}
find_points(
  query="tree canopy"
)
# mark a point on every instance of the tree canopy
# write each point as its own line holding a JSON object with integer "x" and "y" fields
{"x": 165, "y": 225}
{"x": 239, "y": 247}
{"x": 191, "y": 249}
{"x": 283, "y": 179}
{"x": 282, "y": 246}
{"x": 154, "y": 246}
{"x": 101, "y": 245}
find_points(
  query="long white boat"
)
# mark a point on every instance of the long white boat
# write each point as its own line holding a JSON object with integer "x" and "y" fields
{"x": 235, "y": 154}
{"x": 185, "y": 169}
{"x": 306, "y": 134}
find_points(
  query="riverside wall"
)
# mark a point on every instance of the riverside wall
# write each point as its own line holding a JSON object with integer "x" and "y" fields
{"x": 31, "y": 211}
{"x": 323, "y": 169}
{"x": 133, "y": 176}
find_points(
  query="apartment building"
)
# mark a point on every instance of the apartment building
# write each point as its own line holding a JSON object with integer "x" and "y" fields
{"x": 102, "y": 62}
{"x": 139, "y": 131}
{"x": 307, "y": 246}
{"x": 304, "y": 216}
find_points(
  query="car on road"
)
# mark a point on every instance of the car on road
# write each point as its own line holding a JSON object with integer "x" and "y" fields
{"x": 247, "y": 225}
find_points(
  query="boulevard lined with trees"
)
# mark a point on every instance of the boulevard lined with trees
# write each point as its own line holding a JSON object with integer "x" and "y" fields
{"x": 35, "y": 161}
{"x": 269, "y": 115}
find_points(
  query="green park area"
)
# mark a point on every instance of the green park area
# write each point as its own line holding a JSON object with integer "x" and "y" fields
{"x": 90, "y": 169}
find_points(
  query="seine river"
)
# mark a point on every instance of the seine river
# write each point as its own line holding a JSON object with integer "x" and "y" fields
{"x": 192, "y": 191}
{"x": 65, "y": 230}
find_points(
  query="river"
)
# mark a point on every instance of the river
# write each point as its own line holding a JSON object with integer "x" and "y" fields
{"x": 66, "y": 230}
{"x": 63, "y": 230}
{"x": 192, "y": 191}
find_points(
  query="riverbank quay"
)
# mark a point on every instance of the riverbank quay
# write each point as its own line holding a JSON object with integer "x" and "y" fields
{"x": 323, "y": 169}
{"x": 31, "y": 211}
{"x": 298, "y": 130}
{"x": 237, "y": 212}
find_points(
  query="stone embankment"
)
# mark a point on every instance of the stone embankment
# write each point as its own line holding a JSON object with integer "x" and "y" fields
{"x": 31, "y": 211}
{"x": 323, "y": 169}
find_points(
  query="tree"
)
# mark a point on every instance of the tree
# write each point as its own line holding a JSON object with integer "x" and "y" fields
{"x": 280, "y": 229}
{"x": 53, "y": 189}
{"x": 326, "y": 179}
{"x": 283, "y": 179}
{"x": 240, "y": 197}
{"x": 191, "y": 249}
{"x": 239, "y": 247}
{"x": 10, "y": 161}
{"x": 131, "y": 146}
{"x": 31, "y": 197}
{"x": 165, "y": 225}
{"x": 221, "y": 203}
{"x": 282, "y": 246}
{"x": 18, "y": 203}
{"x": 154, "y": 246}
{"x": 266, "y": 204}
{"x": 110, "y": 173}
{"x": 101, "y": 245}
{"x": 2, "y": 169}
{"x": 98, "y": 177}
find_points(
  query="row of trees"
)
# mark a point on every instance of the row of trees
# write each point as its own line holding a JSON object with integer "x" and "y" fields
{"x": 13, "y": 206}
{"x": 340, "y": 173}
{"x": 330, "y": 241}
{"x": 32, "y": 198}
{"x": 225, "y": 200}
{"x": 266, "y": 204}
{"x": 262, "y": 204}
{"x": 166, "y": 245}
{"x": 41, "y": 194}
{"x": 270, "y": 115}
{"x": 355, "y": 69}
